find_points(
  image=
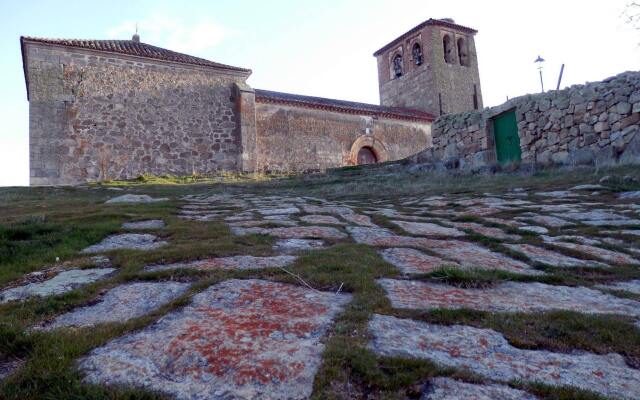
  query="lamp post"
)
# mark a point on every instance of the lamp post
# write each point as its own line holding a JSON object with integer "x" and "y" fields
{"x": 539, "y": 61}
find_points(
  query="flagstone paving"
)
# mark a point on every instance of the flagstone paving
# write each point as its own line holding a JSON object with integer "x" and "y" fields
{"x": 300, "y": 232}
{"x": 551, "y": 258}
{"x": 150, "y": 224}
{"x": 600, "y": 218}
{"x": 63, "y": 282}
{"x": 238, "y": 339}
{"x": 411, "y": 261}
{"x": 491, "y": 232}
{"x": 467, "y": 254}
{"x": 451, "y": 389}
{"x": 598, "y": 252}
{"x": 506, "y": 297}
{"x": 127, "y": 241}
{"x": 321, "y": 219}
{"x": 9, "y": 366}
{"x": 546, "y": 220}
{"x": 135, "y": 199}
{"x": 487, "y": 353}
{"x": 428, "y": 229}
{"x": 632, "y": 286}
{"x": 358, "y": 219}
{"x": 263, "y": 339}
{"x": 293, "y": 246}
{"x": 230, "y": 263}
{"x": 122, "y": 303}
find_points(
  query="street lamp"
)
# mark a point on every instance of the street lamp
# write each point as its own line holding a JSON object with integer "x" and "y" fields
{"x": 539, "y": 61}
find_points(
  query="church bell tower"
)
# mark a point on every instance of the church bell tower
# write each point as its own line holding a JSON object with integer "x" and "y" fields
{"x": 433, "y": 68}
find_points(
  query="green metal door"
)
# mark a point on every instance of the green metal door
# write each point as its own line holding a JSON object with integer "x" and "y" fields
{"x": 507, "y": 140}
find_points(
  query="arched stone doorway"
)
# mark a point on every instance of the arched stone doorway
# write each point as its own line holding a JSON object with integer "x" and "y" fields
{"x": 367, "y": 150}
{"x": 366, "y": 156}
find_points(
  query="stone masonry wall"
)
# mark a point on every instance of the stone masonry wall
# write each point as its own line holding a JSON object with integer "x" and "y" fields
{"x": 593, "y": 124}
{"x": 298, "y": 139}
{"x": 95, "y": 116}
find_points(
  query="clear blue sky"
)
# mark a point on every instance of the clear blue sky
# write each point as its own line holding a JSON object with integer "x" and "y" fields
{"x": 321, "y": 48}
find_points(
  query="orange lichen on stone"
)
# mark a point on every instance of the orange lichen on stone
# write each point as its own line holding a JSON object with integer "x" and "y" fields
{"x": 257, "y": 338}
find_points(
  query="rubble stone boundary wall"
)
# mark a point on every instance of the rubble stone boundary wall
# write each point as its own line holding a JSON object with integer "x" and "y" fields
{"x": 595, "y": 124}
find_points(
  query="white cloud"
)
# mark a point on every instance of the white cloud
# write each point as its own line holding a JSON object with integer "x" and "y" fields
{"x": 159, "y": 30}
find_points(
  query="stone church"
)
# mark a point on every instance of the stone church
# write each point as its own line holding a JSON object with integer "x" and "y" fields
{"x": 116, "y": 109}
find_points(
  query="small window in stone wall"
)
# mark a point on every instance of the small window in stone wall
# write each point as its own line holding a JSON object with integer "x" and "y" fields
{"x": 448, "y": 49}
{"x": 462, "y": 52}
{"x": 417, "y": 54}
{"x": 397, "y": 66}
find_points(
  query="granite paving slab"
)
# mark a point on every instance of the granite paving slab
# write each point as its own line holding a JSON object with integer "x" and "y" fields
{"x": 546, "y": 220}
{"x": 468, "y": 255}
{"x": 9, "y": 366}
{"x": 552, "y": 258}
{"x": 134, "y": 199}
{"x": 511, "y": 297}
{"x": 279, "y": 211}
{"x": 327, "y": 209}
{"x": 240, "y": 339}
{"x": 629, "y": 195}
{"x": 127, "y": 241}
{"x": 487, "y": 353}
{"x": 491, "y": 232}
{"x": 451, "y": 389}
{"x": 565, "y": 238}
{"x": 293, "y": 246}
{"x": 122, "y": 303}
{"x": 507, "y": 222}
{"x": 588, "y": 187}
{"x": 258, "y": 223}
{"x": 202, "y": 212}
{"x": 228, "y": 263}
{"x": 540, "y": 230}
{"x": 600, "y": 253}
{"x": 299, "y": 232}
{"x": 411, "y": 261}
{"x": 150, "y": 224}
{"x": 63, "y": 282}
{"x": 240, "y": 217}
{"x": 321, "y": 219}
{"x": 483, "y": 211}
{"x": 359, "y": 219}
{"x": 599, "y": 218}
{"x": 558, "y": 194}
{"x": 428, "y": 229}
{"x": 632, "y": 286}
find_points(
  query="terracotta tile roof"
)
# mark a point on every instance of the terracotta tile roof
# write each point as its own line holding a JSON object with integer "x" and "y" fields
{"x": 129, "y": 47}
{"x": 350, "y": 107}
{"x": 429, "y": 22}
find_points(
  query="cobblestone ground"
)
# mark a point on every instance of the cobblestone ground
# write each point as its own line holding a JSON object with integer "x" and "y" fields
{"x": 487, "y": 353}
{"x": 247, "y": 335}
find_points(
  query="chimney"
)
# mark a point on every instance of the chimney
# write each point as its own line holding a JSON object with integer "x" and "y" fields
{"x": 136, "y": 38}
